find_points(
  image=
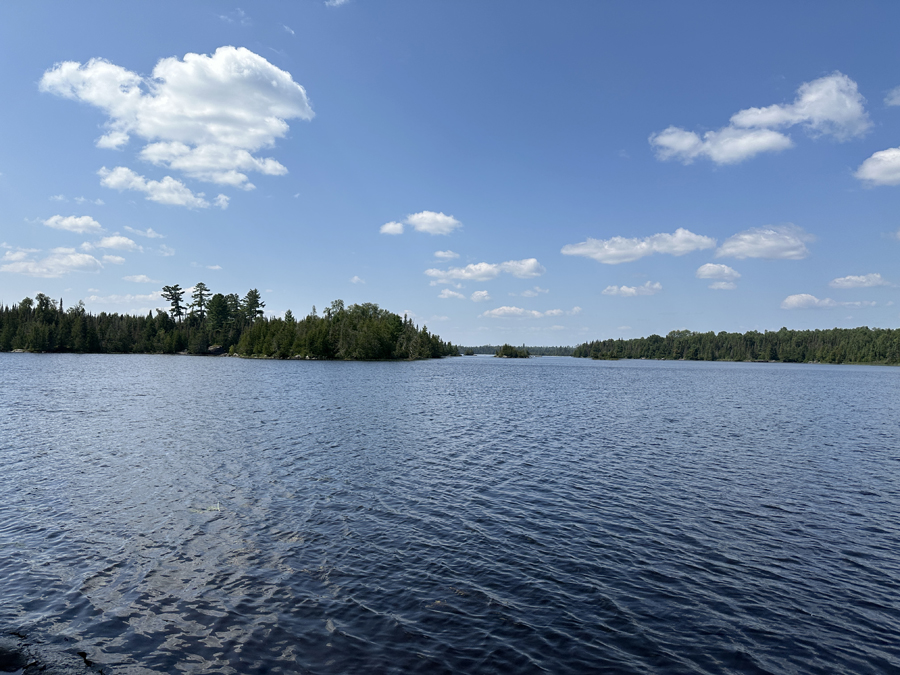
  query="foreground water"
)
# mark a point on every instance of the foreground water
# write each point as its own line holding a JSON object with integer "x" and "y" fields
{"x": 173, "y": 514}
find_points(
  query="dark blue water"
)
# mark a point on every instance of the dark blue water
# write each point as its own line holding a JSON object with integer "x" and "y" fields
{"x": 202, "y": 515}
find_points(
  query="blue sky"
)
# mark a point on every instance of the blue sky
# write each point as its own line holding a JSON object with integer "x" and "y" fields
{"x": 535, "y": 172}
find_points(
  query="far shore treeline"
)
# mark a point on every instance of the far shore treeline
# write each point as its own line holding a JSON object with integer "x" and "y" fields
{"x": 836, "y": 345}
{"x": 219, "y": 324}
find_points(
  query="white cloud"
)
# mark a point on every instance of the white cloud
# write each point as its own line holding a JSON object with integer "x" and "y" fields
{"x": 140, "y": 279}
{"x": 114, "y": 259}
{"x": 893, "y": 97}
{"x": 830, "y": 105}
{"x": 97, "y": 202}
{"x": 863, "y": 281}
{"x": 60, "y": 261}
{"x": 882, "y": 168}
{"x": 150, "y": 233}
{"x": 165, "y": 191}
{"x": 288, "y": 29}
{"x": 444, "y": 255}
{"x": 79, "y": 224}
{"x": 714, "y": 271}
{"x": 781, "y": 242}
{"x": 16, "y": 256}
{"x": 221, "y": 201}
{"x": 432, "y": 223}
{"x": 335, "y": 3}
{"x": 58, "y": 198}
{"x": 725, "y": 275}
{"x": 513, "y": 312}
{"x": 237, "y": 16}
{"x": 648, "y": 288}
{"x": 480, "y": 296}
{"x": 523, "y": 269}
{"x": 115, "y": 242}
{"x": 357, "y": 280}
{"x": 166, "y": 251}
{"x": 124, "y": 299}
{"x": 216, "y": 267}
{"x": 447, "y": 293}
{"x": 726, "y": 146}
{"x": 620, "y": 249}
{"x": 392, "y": 228}
{"x": 532, "y": 292}
{"x": 204, "y": 115}
{"x": 806, "y": 301}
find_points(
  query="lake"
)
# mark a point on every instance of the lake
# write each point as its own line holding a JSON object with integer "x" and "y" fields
{"x": 163, "y": 514}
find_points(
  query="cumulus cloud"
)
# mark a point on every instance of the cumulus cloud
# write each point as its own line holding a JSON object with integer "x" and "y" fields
{"x": 432, "y": 223}
{"x": 621, "y": 249}
{"x": 204, "y": 115}
{"x": 480, "y": 296}
{"x": 221, "y": 201}
{"x": 647, "y": 288}
{"x": 150, "y": 233}
{"x": 512, "y": 312}
{"x": 335, "y": 3}
{"x": 83, "y": 200}
{"x": 447, "y": 293}
{"x": 445, "y": 255}
{"x": 806, "y": 301}
{"x": 782, "y": 242}
{"x": 58, "y": 198}
{"x": 429, "y": 222}
{"x": 166, "y": 251}
{"x": 726, "y": 276}
{"x": 725, "y": 146}
{"x": 140, "y": 279}
{"x": 830, "y": 105}
{"x": 392, "y": 228}
{"x": 882, "y": 168}
{"x": 165, "y": 191}
{"x": 523, "y": 269}
{"x": 116, "y": 242}
{"x": 862, "y": 281}
{"x": 79, "y": 224}
{"x": 357, "y": 280}
{"x": 61, "y": 261}
{"x": 114, "y": 259}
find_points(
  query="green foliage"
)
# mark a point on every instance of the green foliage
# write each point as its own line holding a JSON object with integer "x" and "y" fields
{"x": 510, "y": 352}
{"x": 356, "y": 332}
{"x": 836, "y": 345}
{"x": 532, "y": 351}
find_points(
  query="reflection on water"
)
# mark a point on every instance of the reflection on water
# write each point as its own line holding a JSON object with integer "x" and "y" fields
{"x": 166, "y": 514}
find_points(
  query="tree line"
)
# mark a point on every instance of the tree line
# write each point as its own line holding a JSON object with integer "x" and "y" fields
{"x": 836, "y": 345}
{"x": 216, "y": 323}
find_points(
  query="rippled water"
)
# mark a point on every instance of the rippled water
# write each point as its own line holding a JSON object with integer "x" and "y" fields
{"x": 173, "y": 514}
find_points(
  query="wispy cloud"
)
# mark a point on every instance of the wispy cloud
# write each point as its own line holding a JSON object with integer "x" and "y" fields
{"x": 862, "y": 281}
{"x": 648, "y": 288}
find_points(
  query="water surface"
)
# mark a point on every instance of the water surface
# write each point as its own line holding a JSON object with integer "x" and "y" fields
{"x": 201, "y": 515}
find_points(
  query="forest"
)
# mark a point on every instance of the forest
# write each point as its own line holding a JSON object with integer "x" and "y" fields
{"x": 836, "y": 345}
{"x": 219, "y": 324}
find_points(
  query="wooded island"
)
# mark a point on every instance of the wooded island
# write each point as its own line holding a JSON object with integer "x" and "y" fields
{"x": 217, "y": 323}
